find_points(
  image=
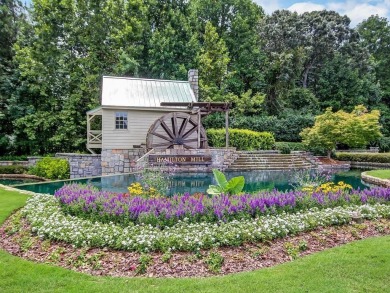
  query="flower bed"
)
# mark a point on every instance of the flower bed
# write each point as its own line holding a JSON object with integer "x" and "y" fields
{"x": 48, "y": 220}
{"x": 87, "y": 202}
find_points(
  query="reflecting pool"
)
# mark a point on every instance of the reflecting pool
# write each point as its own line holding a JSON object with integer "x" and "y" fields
{"x": 16, "y": 181}
{"x": 190, "y": 182}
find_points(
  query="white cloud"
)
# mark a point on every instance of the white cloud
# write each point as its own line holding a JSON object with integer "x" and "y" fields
{"x": 362, "y": 11}
{"x": 269, "y": 6}
{"x": 357, "y": 10}
{"x": 302, "y": 7}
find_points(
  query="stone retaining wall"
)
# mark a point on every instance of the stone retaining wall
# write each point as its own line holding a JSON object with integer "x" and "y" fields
{"x": 220, "y": 159}
{"x": 33, "y": 160}
{"x": 83, "y": 165}
{"x": 118, "y": 161}
{"x": 12, "y": 163}
{"x": 370, "y": 150}
{"x": 23, "y": 176}
{"x": 370, "y": 165}
{"x": 375, "y": 180}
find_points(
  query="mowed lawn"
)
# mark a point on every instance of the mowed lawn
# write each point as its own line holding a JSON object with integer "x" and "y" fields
{"x": 361, "y": 266}
{"x": 383, "y": 174}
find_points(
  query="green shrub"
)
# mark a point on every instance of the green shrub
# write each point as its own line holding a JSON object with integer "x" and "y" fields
{"x": 364, "y": 157}
{"x": 51, "y": 168}
{"x": 13, "y": 169}
{"x": 144, "y": 261}
{"x": 13, "y": 158}
{"x": 287, "y": 147}
{"x": 384, "y": 144}
{"x": 214, "y": 262}
{"x": 242, "y": 139}
{"x": 286, "y": 128}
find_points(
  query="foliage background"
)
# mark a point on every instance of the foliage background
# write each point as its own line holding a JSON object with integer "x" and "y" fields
{"x": 277, "y": 70}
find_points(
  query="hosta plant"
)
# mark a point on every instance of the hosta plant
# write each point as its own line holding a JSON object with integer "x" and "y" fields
{"x": 233, "y": 186}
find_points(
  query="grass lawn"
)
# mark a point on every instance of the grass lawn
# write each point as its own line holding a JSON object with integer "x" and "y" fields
{"x": 361, "y": 266}
{"x": 383, "y": 174}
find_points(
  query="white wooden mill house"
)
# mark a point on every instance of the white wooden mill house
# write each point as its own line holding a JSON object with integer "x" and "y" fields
{"x": 131, "y": 115}
{"x": 129, "y": 106}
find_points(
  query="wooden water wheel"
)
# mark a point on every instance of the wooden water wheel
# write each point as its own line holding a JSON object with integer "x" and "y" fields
{"x": 177, "y": 128}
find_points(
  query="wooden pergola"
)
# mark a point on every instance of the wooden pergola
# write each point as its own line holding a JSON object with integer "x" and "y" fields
{"x": 204, "y": 109}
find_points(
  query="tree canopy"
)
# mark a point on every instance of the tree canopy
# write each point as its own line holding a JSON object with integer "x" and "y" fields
{"x": 268, "y": 66}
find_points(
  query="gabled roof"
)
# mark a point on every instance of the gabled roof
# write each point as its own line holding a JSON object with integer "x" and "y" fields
{"x": 148, "y": 93}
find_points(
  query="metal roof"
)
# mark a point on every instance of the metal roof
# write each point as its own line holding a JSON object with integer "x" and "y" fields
{"x": 138, "y": 92}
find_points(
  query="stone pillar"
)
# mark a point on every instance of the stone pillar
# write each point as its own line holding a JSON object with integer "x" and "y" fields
{"x": 33, "y": 160}
{"x": 118, "y": 161}
{"x": 193, "y": 78}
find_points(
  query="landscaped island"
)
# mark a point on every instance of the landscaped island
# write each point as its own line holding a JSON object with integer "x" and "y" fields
{"x": 207, "y": 231}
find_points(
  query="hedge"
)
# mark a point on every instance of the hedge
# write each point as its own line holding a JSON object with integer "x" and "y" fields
{"x": 287, "y": 147}
{"x": 242, "y": 139}
{"x": 364, "y": 157}
{"x": 51, "y": 168}
{"x": 13, "y": 169}
{"x": 13, "y": 158}
{"x": 286, "y": 128}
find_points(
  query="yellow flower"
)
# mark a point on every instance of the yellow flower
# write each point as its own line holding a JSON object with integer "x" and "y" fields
{"x": 331, "y": 187}
{"x": 135, "y": 189}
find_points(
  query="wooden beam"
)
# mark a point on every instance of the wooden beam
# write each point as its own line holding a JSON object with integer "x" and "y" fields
{"x": 199, "y": 123}
{"x": 227, "y": 127}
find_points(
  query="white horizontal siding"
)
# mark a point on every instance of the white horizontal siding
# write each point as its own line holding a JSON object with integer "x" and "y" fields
{"x": 139, "y": 123}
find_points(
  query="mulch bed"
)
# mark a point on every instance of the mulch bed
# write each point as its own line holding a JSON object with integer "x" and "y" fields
{"x": 329, "y": 161}
{"x": 248, "y": 257}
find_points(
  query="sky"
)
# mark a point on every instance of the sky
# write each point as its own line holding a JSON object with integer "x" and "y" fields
{"x": 356, "y": 10}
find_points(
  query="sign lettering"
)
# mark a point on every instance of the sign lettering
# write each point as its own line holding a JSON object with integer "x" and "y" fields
{"x": 180, "y": 159}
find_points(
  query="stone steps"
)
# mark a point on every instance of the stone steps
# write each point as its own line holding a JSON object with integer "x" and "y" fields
{"x": 268, "y": 161}
{"x": 275, "y": 164}
{"x": 268, "y": 168}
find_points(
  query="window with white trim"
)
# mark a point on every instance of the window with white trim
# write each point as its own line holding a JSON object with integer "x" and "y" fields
{"x": 120, "y": 120}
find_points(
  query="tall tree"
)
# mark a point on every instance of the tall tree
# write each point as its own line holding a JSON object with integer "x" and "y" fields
{"x": 341, "y": 84}
{"x": 213, "y": 62}
{"x": 320, "y": 43}
{"x": 319, "y": 34}
{"x": 237, "y": 23}
{"x": 11, "y": 16}
{"x": 173, "y": 42}
{"x": 375, "y": 34}
{"x": 61, "y": 63}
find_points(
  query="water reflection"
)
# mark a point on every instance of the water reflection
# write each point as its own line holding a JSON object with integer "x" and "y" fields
{"x": 189, "y": 182}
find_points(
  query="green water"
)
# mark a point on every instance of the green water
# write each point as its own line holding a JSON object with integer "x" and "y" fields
{"x": 188, "y": 182}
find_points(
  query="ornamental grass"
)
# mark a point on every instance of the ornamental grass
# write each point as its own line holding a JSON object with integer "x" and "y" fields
{"x": 106, "y": 207}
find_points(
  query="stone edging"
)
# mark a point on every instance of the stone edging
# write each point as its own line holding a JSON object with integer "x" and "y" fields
{"x": 369, "y": 165}
{"x": 14, "y": 163}
{"x": 23, "y": 176}
{"x": 10, "y": 188}
{"x": 375, "y": 180}
{"x": 334, "y": 167}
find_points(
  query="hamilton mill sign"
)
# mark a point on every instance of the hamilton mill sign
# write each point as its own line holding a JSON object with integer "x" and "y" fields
{"x": 180, "y": 159}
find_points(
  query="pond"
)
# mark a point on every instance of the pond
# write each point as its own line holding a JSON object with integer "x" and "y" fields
{"x": 189, "y": 182}
{"x": 16, "y": 181}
